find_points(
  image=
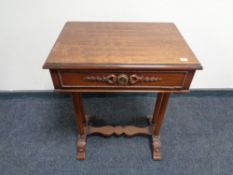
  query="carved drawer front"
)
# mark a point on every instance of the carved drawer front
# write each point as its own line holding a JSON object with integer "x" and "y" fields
{"x": 155, "y": 79}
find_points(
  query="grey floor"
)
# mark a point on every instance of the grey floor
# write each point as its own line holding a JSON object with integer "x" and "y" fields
{"x": 37, "y": 135}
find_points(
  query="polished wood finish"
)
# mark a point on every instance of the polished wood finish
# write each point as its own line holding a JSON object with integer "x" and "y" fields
{"x": 121, "y": 57}
{"x": 161, "y": 111}
{"x": 157, "y": 107}
{"x": 158, "y": 116}
{"x": 106, "y": 44}
{"x": 80, "y": 116}
{"x": 81, "y": 125}
{"x": 136, "y": 79}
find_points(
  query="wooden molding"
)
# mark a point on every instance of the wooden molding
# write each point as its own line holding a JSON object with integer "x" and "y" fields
{"x": 122, "y": 79}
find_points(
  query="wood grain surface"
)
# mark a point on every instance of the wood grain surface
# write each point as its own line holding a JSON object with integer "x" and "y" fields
{"x": 121, "y": 57}
{"x": 115, "y": 44}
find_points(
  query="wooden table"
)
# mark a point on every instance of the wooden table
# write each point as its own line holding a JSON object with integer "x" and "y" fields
{"x": 121, "y": 57}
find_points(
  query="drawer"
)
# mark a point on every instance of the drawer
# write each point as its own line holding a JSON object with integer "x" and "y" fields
{"x": 70, "y": 79}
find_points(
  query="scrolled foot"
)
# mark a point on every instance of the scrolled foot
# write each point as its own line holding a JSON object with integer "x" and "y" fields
{"x": 156, "y": 146}
{"x": 81, "y": 147}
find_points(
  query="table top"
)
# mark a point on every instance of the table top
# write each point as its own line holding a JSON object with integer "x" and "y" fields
{"x": 120, "y": 44}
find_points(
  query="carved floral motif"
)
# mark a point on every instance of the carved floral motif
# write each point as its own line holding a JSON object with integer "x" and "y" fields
{"x": 122, "y": 79}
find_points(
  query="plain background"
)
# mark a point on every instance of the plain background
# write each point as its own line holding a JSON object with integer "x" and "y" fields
{"x": 29, "y": 28}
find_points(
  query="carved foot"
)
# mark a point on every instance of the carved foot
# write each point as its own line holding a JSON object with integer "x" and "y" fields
{"x": 81, "y": 147}
{"x": 156, "y": 145}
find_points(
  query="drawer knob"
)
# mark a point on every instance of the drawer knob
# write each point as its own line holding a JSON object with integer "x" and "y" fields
{"x": 122, "y": 79}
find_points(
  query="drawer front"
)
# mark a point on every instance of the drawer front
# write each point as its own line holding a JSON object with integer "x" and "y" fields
{"x": 122, "y": 79}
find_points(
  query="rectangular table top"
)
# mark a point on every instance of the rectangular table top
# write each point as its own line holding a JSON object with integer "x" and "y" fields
{"x": 120, "y": 44}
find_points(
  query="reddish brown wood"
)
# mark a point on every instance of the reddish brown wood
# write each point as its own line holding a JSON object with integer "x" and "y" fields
{"x": 157, "y": 107}
{"x": 81, "y": 125}
{"x": 178, "y": 91}
{"x": 169, "y": 79}
{"x": 108, "y": 44}
{"x": 119, "y": 130}
{"x": 92, "y": 81}
{"x": 189, "y": 78}
{"x": 55, "y": 78}
{"x": 161, "y": 112}
{"x": 121, "y": 57}
{"x": 80, "y": 116}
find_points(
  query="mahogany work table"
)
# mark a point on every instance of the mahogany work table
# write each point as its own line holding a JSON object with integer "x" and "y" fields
{"x": 121, "y": 57}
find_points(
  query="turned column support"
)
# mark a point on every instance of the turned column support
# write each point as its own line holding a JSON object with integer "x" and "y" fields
{"x": 81, "y": 125}
{"x": 157, "y": 121}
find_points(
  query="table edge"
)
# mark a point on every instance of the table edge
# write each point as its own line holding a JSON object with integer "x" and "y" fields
{"x": 124, "y": 66}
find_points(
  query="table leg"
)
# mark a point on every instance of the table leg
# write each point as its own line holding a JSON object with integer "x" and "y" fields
{"x": 157, "y": 119}
{"x": 81, "y": 125}
{"x": 157, "y": 107}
